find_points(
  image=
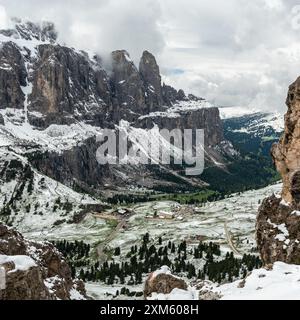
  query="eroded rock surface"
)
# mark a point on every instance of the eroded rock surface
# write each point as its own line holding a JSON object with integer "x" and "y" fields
{"x": 34, "y": 270}
{"x": 278, "y": 221}
{"x": 162, "y": 281}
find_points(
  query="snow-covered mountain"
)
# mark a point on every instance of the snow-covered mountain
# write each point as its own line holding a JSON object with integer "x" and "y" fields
{"x": 61, "y": 97}
{"x": 29, "y": 199}
{"x": 54, "y": 101}
{"x": 252, "y": 121}
{"x": 251, "y": 130}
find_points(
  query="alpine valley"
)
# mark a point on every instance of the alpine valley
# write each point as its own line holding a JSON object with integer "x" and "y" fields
{"x": 72, "y": 228}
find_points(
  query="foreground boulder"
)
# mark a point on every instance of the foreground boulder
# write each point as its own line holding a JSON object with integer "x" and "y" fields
{"x": 23, "y": 279}
{"x": 162, "y": 281}
{"x": 278, "y": 222}
{"x": 34, "y": 270}
{"x": 278, "y": 231}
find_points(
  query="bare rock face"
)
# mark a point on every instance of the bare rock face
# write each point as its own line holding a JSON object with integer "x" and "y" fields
{"x": 171, "y": 95}
{"x": 24, "y": 284}
{"x": 278, "y": 231}
{"x": 286, "y": 152}
{"x": 12, "y": 76}
{"x": 127, "y": 86}
{"x": 66, "y": 86}
{"x": 34, "y": 271}
{"x": 162, "y": 283}
{"x": 63, "y": 86}
{"x": 207, "y": 119}
{"x": 77, "y": 164}
{"x": 278, "y": 222}
{"x": 150, "y": 74}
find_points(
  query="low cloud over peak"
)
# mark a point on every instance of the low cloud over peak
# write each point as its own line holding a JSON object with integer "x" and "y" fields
{"x": 234, "y": 53}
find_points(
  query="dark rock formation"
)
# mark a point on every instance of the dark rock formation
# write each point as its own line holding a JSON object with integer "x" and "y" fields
{"x": 192, "y": 97}
{"x": 127, "y": 87}
{"x": 162, "y": 283}
{"x": 150, "y": 74}
{"x": 79, "y": 167}
{"x": 24, "y": 284}
{"x": 278, "y": 231}
{"x": 278, "y": 222}
{"x": 12, "y": 76}
{"x": 207, "y": 119}
{"x": 171, "y": 95}
{"x": 78, "y": 164}
{"x": 70, "y": 86}
{"x": 47, "y": 277}
{"x": 67, "y": 86}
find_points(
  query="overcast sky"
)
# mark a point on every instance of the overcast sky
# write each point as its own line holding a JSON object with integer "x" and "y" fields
{"x": 233, "y": 52}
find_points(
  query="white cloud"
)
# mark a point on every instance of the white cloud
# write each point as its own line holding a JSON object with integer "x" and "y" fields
{"x": 3, "y": 18}
{"x": 234, "y": 52}
{"x": 101, "y": 25}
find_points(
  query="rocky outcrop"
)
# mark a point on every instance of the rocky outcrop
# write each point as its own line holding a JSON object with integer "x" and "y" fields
{"x": 278, "y": 222}
{"x": 12, "y": 76}
{"x": 207, "y": 119}
{"x": 286, "y": 152}
{"x": 127, "y": 87}
{"x": 67, "y": 86}
{"x": 171, "y": 95}
{"x": 162, "y": 281}
{"x": 28, "y": 30}
{"x": 22, "y": 281}
{"x": 278, "y": 231}
{"x": 150, "y": 74}
{"x": 34, "y": 270}
{"x": 63, "y": 86}
{"x": 79, "y": 167}
{"x": 78, "y": 164}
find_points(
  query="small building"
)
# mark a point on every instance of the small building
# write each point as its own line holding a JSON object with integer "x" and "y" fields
{"x": 122, "y": 211}
{"x": 166, "y": 215}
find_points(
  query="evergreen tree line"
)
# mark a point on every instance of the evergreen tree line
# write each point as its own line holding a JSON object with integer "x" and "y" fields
{"x": 141, "y": 260}
{"x": 76, "y": 253}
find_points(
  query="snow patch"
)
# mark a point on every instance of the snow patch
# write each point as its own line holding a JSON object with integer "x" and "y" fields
{"x": 22, "y": 263}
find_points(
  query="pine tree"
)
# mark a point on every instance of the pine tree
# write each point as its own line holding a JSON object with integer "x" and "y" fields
{"x": 117, "y": 251}
{"x": 173, "y": 248}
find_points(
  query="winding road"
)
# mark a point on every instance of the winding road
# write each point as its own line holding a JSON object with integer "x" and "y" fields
{"x": 121, "y": 224}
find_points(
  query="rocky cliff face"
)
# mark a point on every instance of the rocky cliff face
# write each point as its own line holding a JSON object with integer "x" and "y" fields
{"x": 127, "y": 87}
{"x": 286, "y": 152}
{"x": 162, "y": 282}
{"x": 278, "y": 223}
{"x": 12, "y": 76}
{"x": 55, "y": 88}
{"x": 150, "y": 74}
{"x": 67, "y": 86}
{"x": 62, "y": 85}
{"x": 34, "y": 271}
{"x": 207, "y": 119}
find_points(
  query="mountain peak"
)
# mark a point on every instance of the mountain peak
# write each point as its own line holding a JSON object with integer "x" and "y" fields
{"x": 27, "y": 30}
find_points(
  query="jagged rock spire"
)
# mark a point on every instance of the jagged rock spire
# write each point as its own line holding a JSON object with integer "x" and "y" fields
{"x": 278, "y": 222}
